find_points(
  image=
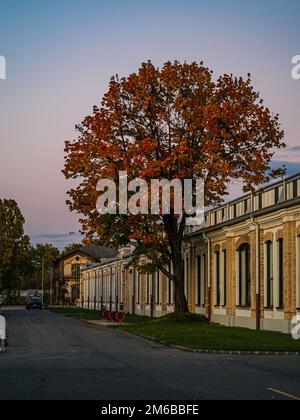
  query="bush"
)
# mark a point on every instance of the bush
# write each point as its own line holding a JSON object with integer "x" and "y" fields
{"x": 178, "y": 317}
{"x": 13, "y": 300}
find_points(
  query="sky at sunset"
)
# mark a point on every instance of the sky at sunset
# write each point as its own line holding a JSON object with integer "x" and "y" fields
{"x": 60, "y": 56}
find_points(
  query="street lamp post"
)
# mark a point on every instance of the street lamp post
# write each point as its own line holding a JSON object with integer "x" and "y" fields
{"x": 51, "y": 286}
{"x": 43, "y": 275}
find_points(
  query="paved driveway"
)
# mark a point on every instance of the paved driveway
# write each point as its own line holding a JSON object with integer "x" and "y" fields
{"x": 54, "y": 357}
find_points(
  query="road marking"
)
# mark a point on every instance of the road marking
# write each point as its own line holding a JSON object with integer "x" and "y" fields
{"x": 284, "y": 394}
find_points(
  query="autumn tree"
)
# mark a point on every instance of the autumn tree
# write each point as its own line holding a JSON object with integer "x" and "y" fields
{"x": 176, "y": 122}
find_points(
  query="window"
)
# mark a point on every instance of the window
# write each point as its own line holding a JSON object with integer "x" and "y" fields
{"x": 295, "y": 189}
{"x": 113, "y": 287}
{"x": 186, "y": 277}
{"x": 122, "y": 285}
{"x": 298, "y": 274}
{"x": 158, "y": 288}
{"x": 246, "y": 206}
{"x": 276, "y": 195}
{"x": 281, "y": 273}
{"x": 105, "y": 288}
{"x": 216, "y": 218}
{"x": 225, "y": 277}
{"x": 199, "y": 282}
{"x": 260, "y": 201}
{"x": 204, "y": 279}
{"x": 76, "y": 271}
{"x": 223, "y": 214}
{"x": 149, "y": 288}
{"x": 102, "y": 286}
{"x": 234, "y": 211}
{"x": 139, "y": 279}
{"x": 269, "y": 274}
{"x": 218, "y": 280}
{"x": 244, "y": 276}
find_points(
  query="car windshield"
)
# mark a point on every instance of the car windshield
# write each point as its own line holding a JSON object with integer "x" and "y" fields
{"x": 36, "y": 299}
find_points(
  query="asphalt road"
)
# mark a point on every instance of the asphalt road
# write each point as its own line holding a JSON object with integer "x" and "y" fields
{"x": 54, "y": 357}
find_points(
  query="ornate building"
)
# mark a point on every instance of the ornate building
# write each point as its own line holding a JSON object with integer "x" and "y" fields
{"x": 242, "y": 269}
{"x": 67, "y": 270}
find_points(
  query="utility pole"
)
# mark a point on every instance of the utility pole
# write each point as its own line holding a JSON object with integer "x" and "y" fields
{"x": 51, "y": 286}
{"x": 43, "y": 278}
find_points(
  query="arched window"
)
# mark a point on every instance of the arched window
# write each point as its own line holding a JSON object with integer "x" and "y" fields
{"x": 225, "y": 277}
{"x": 280, "y": 273}
{"x": 139, "y": 287}
{"x": 269, "y": 274}
{"x": 148, "y": 293}
{"x": 244, "y": 276}
{"x": 218, "y": 279}
{"x": 199, "y": 281}
{"x": 158, "y": 300}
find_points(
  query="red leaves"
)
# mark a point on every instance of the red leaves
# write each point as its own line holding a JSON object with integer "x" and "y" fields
{"x": 173, "y": 122}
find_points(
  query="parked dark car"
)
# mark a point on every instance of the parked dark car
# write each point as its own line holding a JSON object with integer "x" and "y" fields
{"x": 34, "y": 303}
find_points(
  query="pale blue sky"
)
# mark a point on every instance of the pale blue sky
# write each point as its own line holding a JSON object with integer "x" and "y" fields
{"x": 61, "y": 54}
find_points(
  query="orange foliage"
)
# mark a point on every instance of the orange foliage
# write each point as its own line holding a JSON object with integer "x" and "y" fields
{"x": 173, "y": 122}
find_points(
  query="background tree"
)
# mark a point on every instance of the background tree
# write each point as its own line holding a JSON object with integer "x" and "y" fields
{"x": 21, "y": 267}
{"x": 42, "y": 254}
{"x": 174, "y": 122}
{"x": 13, "y": 244}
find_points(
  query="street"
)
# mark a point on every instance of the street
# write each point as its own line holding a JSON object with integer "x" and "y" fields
{"x": 54, "y": 357}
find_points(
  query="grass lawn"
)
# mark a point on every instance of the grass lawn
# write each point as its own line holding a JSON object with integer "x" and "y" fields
{"x": 194, "y": 332}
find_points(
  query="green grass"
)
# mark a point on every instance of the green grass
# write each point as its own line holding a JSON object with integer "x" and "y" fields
{"x": 193, "y": 331}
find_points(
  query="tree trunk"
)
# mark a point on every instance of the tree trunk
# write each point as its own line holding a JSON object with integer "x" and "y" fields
{"x": 175, "y": 236}
{"x": 181, "y": 304}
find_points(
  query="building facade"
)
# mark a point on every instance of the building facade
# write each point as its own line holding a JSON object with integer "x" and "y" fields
{"x": 67, "y": 271}
{"x": 242, "y": 269}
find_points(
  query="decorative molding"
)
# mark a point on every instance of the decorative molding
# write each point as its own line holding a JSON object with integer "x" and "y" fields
{"x": 296, "y": 216}
{"x": 280, "y": 234}
{"x": 242, "y": 232}
{"x": 217, "y": 248}
{"x": 224, "y": 247}
{"x": 244, "y": 239}
{"x": 272, "y": 223}
{"x": 269, "y": 236}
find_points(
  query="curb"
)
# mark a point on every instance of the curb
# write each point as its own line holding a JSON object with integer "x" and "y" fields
{"x": 214, "y": 352}
{"x": 199, "y": 351}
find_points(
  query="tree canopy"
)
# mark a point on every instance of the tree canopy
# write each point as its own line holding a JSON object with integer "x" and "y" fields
{"x": 14, "y": 245}
{"x": 20, "y": 262}
{"x": 174, "y": 122}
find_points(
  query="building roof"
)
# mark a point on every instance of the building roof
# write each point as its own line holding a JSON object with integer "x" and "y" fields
{"x": 95, "y": 252}
{"x": 279, "y": 195}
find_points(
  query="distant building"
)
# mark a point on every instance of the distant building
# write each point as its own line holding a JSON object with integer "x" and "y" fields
{"x": 67, "y": 271}
{"x": 242, "y": 269}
